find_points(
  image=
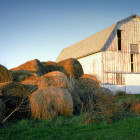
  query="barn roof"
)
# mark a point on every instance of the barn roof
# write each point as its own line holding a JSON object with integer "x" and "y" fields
{"x": 90, "y": 45}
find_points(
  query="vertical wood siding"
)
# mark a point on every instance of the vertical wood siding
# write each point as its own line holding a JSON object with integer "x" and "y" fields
{"x": 116, "y": 63}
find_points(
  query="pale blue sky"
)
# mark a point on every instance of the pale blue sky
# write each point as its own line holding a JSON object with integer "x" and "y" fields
{"x": 40, "y": 29}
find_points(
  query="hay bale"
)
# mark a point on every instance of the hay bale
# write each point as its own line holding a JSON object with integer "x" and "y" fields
{"x": 5, "y": 75}
{"x": 50, "y": 102}
{"x": 21, "y": 75}
{"x": 33, "y": 65}
{"x": 29, "y": 83}
{"x": 52, "y": 66}
{"x": 53, "y": 79}
{"x": 30, "y": 80}
{"x": 72, "y": 67}
{"x": 94, "y": 80}
{"x": 2, "y": 110}
{"x": 12, "y": 94}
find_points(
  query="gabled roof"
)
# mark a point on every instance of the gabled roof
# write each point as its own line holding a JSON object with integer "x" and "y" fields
{"x": 90, "y": 45}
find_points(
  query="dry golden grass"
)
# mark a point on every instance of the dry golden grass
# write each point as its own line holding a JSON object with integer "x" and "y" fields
{"x": 50, "y": 102}
{"x": 5, "y": 75}
{"x": 72, "y": 67}
{"x": 53, "y": 79}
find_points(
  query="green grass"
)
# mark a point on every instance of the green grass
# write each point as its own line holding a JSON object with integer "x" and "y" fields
{"x": 73, "y": 128}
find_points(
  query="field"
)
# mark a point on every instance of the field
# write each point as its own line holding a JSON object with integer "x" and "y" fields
{"x": 73, "y": 128}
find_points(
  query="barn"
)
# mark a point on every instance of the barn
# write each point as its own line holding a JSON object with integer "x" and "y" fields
{"x": 112, "y": 54}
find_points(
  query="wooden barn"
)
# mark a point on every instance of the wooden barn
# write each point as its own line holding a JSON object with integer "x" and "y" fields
{"x": 113, "y": 55}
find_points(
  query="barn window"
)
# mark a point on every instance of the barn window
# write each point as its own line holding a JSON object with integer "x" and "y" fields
{"x": 132, "y": 69}
{"x": 134, "y": 48}
{"x": 119, "y": 39}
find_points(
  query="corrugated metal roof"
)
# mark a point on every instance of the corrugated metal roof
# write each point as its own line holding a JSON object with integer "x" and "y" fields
{"x": 90, "y": 45}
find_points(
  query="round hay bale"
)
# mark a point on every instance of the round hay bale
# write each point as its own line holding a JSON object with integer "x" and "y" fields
{"x": 52, "y": 66}
{"x": 29, "y": 83}
{"x": 21, "y": 75}
{"x": 50, "y": 102}
{"x": 94, "y": 80}
{"x": 5, "y": 75}
{"x": 53, "y": 79}
{"x": 33, "y": 65}
{"x": 30, "y": 80}
{"x": 2, "y": 110}
{"x": 72, "y": 67}
{"x": 12, "y": 94}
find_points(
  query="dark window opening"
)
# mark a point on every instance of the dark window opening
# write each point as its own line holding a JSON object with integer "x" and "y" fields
{"x": 119, "y": 39}
{"x": 132, "y": 69}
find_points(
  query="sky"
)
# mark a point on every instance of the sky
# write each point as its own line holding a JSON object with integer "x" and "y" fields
{"x": 40, "y": 29}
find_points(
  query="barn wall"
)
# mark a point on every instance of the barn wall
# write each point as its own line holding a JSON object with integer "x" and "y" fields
{"x": 130, "y": 35}
{"x": 117, "y": 64}
{"x": 92, "y": 64}
{"x": 132, "y": 85}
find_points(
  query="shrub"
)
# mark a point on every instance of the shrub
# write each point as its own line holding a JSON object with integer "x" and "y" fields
{"x": 83, "y": 91}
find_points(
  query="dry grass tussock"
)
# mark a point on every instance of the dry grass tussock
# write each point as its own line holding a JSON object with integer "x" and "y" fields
{"x": 53, "y": 79}
{"x": 50, "y": 102}
{"x": 5, "y": 75}
{"x": 72, "y": 67}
